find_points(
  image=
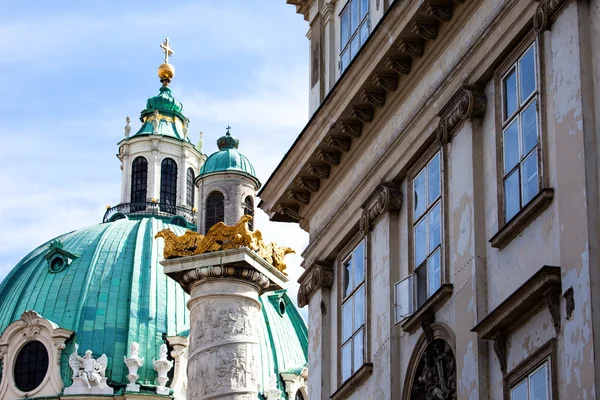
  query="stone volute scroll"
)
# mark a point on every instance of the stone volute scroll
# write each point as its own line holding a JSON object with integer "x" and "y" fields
{"x": 469, "y": 101}
{"x": 546, "y": 13}
{"x": 133, "y": 363}
{"x": 386, "y": 197}
{"x": 318, "y": 275}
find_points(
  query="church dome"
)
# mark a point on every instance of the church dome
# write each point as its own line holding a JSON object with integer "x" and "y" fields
{"x": 164, "y": 102}
{"x": 228, "y": 159}
{"x": 109, "y": 288}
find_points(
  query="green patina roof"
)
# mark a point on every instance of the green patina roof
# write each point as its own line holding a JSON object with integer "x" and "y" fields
{"x": 228, "y": 159}
{"x": 114, "y": 292}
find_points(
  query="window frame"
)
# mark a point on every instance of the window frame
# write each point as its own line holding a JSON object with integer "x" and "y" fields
{"x": 168, "y": 188}
{"x": 352, "y": 34}
{"x": 190, "y": 192}
{"x": 217, "y": 215}
{"x": 545, "y": 354}
{"x": 135, "y": 188}
{"x": 248, "y": 209}
{"x": 346, "y": 254}
{"x": 414, "y": 171}
{"x": 509, "y": 64}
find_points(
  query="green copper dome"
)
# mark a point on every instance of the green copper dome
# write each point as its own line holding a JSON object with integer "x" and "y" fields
{"x": 228, "y": 159}
{"x": 165, "y": 102}
{"x": 114, "y": 292}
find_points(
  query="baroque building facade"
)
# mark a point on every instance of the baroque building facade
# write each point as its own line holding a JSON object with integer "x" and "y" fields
{"x": 448, "y": 179}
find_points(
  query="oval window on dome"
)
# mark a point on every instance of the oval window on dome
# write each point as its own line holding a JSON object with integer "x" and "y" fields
{"x": 31, "y": 366}
{"x": 57, "y": 264}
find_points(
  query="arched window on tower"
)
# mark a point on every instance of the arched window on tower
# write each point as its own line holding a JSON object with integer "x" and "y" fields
{"x": 139, "y": 184}
{"x": 249, "y": 210}
{"x": 168, "y": 185}
{"x": 215, "y": 209}
{"x": 190, "y": 188}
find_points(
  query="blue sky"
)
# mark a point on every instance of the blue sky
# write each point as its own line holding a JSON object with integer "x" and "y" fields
{"x": 73, "y": 70}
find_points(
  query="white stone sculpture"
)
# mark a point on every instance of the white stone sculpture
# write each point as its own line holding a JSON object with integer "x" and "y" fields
{"x": 155, "y": 122}
{"x": 133, "y": 362}
{"x": 185, "y": 131}
{"x": 271, "y": 391}
{"x": 162, "y": 366}
{"x": 88, "y": 374}
{"x": 127, "y": 127}
{"x": 200, "y": 144}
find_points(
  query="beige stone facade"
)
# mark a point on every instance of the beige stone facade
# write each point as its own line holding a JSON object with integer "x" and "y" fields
{"x": 448, "y": 178}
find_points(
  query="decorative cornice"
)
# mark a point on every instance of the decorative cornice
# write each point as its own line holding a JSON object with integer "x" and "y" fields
{"x": 318, "y": 275}
{"x": 386, "y": 197}
{"x": 300, "y": 196}
{"x": 339, "y": 143}
{"x": 399, "y": 65}
{"x": 468, "y": 102}
{"x": 363, "y": 113}
{"x": 414, "y": 48}
{"x": 426, "y": 30}
{"x": 330, "y": 157}
{"x": 388, "y": 82}
{"x": 194, "y": 277}
{"x": 302, "y": 7}
{"x": 440, "y": 11}
{"x": 374, "y": 98}
{"x": 327, "y": 11}
{"x": 292, "y": 212}
{"x": 321, "y": 171}
{"x": 546, "y": 13}
{"x": 352, "y": 129}
{"x": 310, "y": 184}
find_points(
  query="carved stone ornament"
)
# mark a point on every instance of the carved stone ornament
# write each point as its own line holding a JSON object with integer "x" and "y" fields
{"x": 414, "y": 48}
{"x": 363, "y": 113}
{"x": 310, "y": 184}
{"x": 330, "y": 157}
{"x": 468, "y": 102}
{"x": 546, "y": 13}
{"x": 133, "y": 363}
{"x": 127, "y": 127}
{"x": 553, "y": 304}
{"x": 440, "y": 11}
{"x": 399, "y": 65}
{"x": 425, "y": 30}
{"x": 272, "y": 392}
{"x": 427, "y": 320}
{"x": 339, "y": 143}
{"x": 60, "y": 346}
{"x": 162, "y": 366}
{"x": 321, "y": 171}
{"x": 435, "y": 378}
{"x": 32, "y": 327}
{"x": 374, "y": 98}
{"x": 388, "y": 82}
{"x": 569, "y": 302}
{"x": 301, "y": 196}
{"x": 500, "y": 350}
{"x": 88, "y": 374}
{"x": 352, "y": 129}
{"x": 224, "y": 237}
{"x": 386, "y": 197}
{"x": 291, "y": 211}
{"x": 318, "y": 275}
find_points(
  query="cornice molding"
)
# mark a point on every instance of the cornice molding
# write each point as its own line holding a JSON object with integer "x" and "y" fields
{"x": 546, "y": 13}
{"x": 387, "y": 196}
{"x": 469, "y": 101}
{"x": 318, "y": 275}
{"x": 302, "y": 7}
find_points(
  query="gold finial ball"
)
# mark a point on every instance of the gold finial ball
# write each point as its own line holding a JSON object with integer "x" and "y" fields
{"x": 166, "y": 71}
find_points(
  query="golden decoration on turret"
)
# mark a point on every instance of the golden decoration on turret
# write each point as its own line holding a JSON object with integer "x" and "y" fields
{"x": 166, "y": 71}
{"x": 224, "y": 237}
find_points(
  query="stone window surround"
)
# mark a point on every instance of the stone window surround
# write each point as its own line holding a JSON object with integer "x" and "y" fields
{"x": 32, "y": 327}
{"x": 361, "y": 22}
{"x": 546, "y": 352}
{"x": 508, "y": 230}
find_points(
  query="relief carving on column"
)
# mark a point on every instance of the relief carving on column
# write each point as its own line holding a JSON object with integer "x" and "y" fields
{"x": 436, "y": 374}
{"x": 468, "y": 102}
{"x": 546, "y": 13}
{"x": 229, "y": 323}
{"x": 318, "y": 275}
{"x": 386, "y": 197}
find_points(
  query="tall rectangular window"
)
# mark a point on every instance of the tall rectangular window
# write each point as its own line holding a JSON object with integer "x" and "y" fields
{"x": 427, "y": 228}
{"x": 535, "y": 386}
{"x": 354, "y": 24}
{"x": 520, "y": 132}
{"x": 353, "y": 311}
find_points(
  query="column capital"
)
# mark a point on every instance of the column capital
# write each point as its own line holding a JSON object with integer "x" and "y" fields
{"x": 387, "y": 196}
{"x": 318, "y": 275}
{"x": 469, "y": 101}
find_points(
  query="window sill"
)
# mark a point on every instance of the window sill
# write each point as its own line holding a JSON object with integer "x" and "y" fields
{"x": 519, "y": 222}
{"x": 353, "y": 382}
{"x": 434, "y": 303}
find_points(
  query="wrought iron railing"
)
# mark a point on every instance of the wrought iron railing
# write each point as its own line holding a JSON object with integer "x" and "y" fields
{"x": 150, "y": 208}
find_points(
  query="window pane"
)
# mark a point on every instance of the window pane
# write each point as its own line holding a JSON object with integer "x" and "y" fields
{"x": 421, "y": 285}
{"x": 358, "y": 258}
{"x": 364, "y": 32}
{"x": 529, "y": 128}
{"x": 435, "y": 231}
{"x": 347, "y": 320}
{"x": 364, "y": 8}
{"x": 538, "y": 385}
{"x": 358, "y": 349}
{"x": 530, "y": 177}
{"x": 419, "y": 193}
{"x": 510, "y": 94}
{"x": 345, "y": 34}
{"x": 347, "y": 361}
{"x": 353, "y": 17}
{"x": 345, "y": 59}
{"x": 421, "y": 242}
{"x": 511, "y": 195}
{"x": 434, "y": 273}
{"x": 404, "y": 298}
{"x": 511, "y": 146}
{"x": 527, "y": 74}
{"x": 520, "y": 392}
{"x": 354, "y": 46}
{"x": 359, "y": 308}
{"x": 433, "y": 171}
{"x": 347, "y": 284}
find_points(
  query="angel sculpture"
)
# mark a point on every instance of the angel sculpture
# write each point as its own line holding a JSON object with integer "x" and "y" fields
{"x": 88, "y": 369}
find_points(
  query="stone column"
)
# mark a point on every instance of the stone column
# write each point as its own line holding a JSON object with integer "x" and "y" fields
{"x": 224, "y": 314}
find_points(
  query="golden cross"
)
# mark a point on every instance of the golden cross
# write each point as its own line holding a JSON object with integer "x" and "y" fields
{"x": 167, "y": 49}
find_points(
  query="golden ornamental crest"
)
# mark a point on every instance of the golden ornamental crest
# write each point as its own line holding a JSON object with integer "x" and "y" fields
{"x": 224, "y": 237}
